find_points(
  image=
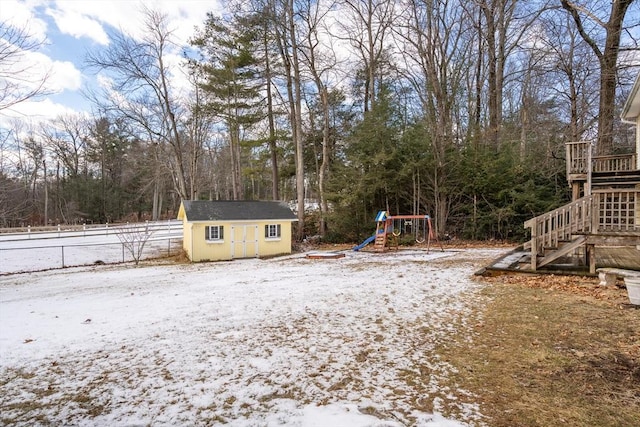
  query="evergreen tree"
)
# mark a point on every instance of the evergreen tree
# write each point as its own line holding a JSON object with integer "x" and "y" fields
{"x": 231, "y": 82}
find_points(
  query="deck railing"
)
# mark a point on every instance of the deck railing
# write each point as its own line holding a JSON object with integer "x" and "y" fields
{"x": 579, "y": 156}
{"x": 605, "y": 211}
{"x": 622, "y": 162}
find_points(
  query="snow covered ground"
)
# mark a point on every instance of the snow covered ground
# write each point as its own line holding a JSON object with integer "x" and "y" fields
{"x": 34, "y": 251}
{"x": 287, "y": 341}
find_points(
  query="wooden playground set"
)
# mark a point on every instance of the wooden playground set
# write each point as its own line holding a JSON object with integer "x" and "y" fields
{"x": 390, "y": 228}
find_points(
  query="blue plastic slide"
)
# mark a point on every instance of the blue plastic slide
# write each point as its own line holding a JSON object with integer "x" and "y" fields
{"x": 365, "y": 243}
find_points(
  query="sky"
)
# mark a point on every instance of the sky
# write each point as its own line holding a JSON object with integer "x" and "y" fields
{"x": 70, "y": 28}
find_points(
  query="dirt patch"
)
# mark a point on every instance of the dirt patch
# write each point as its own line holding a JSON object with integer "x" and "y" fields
{"x": 551, "y": 350}
{"x": 446, "y": 244}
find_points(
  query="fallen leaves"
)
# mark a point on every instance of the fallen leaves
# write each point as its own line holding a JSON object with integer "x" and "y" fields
{"x": 582, "y": 286}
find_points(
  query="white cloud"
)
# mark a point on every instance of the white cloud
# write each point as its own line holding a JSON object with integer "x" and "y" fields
{"x": 81, "y": 18}
{"x": 34, "y": 66}
{"x": 64, "y": 76}
{"x": 180, "y": 80}
{"x": 77, "y": 25}
{"x": 21, "y": 14}
{"x": 186, "y": 15}
{"x": 92, "y": 20}
{"x": 103, "y": 81}
{"x": 34, "y": 112}
{"x": 78, "y": 18}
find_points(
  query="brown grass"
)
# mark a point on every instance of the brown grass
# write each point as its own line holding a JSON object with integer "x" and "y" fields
{"x": 551, "y": 350}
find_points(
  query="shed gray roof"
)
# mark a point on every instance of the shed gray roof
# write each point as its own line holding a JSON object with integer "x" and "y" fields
{"x": 236, "y": 210}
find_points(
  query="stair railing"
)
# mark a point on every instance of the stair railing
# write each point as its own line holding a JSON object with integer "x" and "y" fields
{"x": 549, "y": 229}
{"x": 605, "y": 211}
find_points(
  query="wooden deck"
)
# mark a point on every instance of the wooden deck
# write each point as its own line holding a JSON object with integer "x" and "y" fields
{"x": 601, "y": 226}
{"x": 621, "y": 257}
{"x": 606, "y": 218}
{"x": 519, "y": 260}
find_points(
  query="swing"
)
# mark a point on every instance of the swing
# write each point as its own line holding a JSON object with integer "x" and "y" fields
{"x": 424, "y": 231}
{"x": 397, "y": 222}
{"x": 407, "y": 227}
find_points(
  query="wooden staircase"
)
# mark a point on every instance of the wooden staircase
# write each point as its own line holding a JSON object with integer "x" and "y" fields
{"x": 563, "y": 249}
{"x": 381, "y": 240}
{"x": 555, "y": 234}
{"x": 608, "y": 213}
{"x": 604, "y": 217}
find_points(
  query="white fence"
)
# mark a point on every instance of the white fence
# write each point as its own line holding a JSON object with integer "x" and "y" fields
{"x": 43, "y": 250}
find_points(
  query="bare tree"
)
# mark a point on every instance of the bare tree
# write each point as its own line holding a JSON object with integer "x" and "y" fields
{"x": 567, "y": 57}
{"x": 436, "y": 54}
{"x": 30, "y": 157}
{"x": 13, "y": 199}
{"x": 65, "y": 139}
{"x": 198, "y": 131}
{"x": 270, "y": 31}
{"x": 320, "y": 61}
{"x": 143, "y": 92}
{"x": 134, "y": 237}
{"x": 283, "y": 13}
{"x": 269, "y": 75}
{"x": 588, "y": 16}
{"x": 502, "y": 24}
{"x": 367, "y": 27}
{"x": 20, "y": 78}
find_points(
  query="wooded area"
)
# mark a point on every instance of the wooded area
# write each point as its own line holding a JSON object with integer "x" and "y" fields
{"x": 454, "y": 108}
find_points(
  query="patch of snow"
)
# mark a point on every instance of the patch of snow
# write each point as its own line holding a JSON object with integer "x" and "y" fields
{"x": 23, "y": 252}
{"x": 285, "y": 341}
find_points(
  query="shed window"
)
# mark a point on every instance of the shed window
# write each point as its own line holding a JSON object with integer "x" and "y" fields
{"x": 214, "y": 232}
{"x": 272, "y": 231}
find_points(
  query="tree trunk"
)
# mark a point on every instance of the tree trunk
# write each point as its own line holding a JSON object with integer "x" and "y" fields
{"x": 234, "y": 152}
{"x": 46, "y": 193}
{"x": 492, "y": 65}
{"x": 294, "y": 84}
{"x": 324, "y": 166}
{"x": 273, "y": 146}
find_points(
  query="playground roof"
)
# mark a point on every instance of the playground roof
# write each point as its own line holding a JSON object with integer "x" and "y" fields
{"x": 382, "y": 216}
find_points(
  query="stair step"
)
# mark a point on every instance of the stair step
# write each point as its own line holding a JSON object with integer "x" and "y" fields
{"x": 561, "y": 244}
{"x": 380, "y": 241}
{"x": 575, "y": 244}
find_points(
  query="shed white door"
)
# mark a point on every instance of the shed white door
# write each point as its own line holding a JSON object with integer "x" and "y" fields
{"x": 244, "y": 241}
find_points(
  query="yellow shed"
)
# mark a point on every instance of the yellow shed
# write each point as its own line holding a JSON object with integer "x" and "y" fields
{"x": 224, "y": 229}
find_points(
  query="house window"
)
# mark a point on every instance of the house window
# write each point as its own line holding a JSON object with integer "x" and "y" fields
{"x": 272, "y": 231}
{"x": 214, "y": 232}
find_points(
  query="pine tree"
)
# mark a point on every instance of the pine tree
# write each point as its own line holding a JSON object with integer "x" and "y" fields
{"x": 231, "y": 82}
